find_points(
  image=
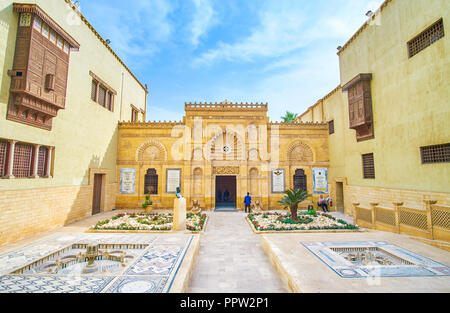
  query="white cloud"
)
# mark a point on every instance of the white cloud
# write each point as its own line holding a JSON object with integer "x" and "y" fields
{"x": 204, "y": 19}
{"x": 279, "y": 32}
{"x": 137, "y": 31}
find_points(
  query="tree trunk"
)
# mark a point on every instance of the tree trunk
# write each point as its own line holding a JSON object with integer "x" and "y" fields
{"x": 294, "y": 213}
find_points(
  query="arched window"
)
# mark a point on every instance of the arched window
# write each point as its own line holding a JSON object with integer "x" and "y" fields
{"x": 151, "y": 182}
{"x": 300, "y": 181}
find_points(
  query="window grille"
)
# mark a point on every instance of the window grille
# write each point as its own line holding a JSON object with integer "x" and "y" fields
{"x": 300, "y": 181}
{"x": 22, "y": 160}
{"x": 42, "y": 161}
{"x": 3, "y": 156}
{"x": 368, "y": 166}
{"x": 151, "y": 182}
{"x": 426, "y": 38}
{"x": 435, "y": 154}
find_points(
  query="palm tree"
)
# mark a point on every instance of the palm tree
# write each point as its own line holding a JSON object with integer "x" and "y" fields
{"x": 289, "y": 117}
{"x": 292, "y": 199}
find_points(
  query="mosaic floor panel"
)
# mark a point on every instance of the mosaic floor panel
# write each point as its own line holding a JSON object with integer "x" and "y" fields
{"x": 358, "y": 259}
{"x": 152, "y": 270}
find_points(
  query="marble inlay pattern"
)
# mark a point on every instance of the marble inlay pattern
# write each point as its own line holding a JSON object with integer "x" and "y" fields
{"x": 419, "y": 266}
{"x": 153, "y": 271}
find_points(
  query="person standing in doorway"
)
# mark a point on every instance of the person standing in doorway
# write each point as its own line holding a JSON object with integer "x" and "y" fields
{"x": 248, "y": 203}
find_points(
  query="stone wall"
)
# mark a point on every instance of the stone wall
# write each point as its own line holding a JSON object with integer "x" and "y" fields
{"x": 28, "y": 212}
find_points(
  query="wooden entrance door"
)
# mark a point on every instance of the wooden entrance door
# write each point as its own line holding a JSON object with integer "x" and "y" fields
{"x": 340, "y": 197}
{"x": 97, "y": 197}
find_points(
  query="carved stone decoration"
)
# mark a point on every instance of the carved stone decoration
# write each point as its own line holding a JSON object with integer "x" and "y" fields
{"x": 300, "y": 152}
{"x": 40, "y": 68}
{"x": 151, "y": 153}
{"x": 360, "y": 106}
{"x": 226, "y": 170}
{"x": 152, "y": 150}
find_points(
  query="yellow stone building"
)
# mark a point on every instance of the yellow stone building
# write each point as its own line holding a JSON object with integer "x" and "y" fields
{"x": 63, "y": 91}
{"x": 389, "y": 141}
{"x": 218, "y": 153}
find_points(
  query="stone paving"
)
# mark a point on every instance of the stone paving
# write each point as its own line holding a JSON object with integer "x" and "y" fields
{"x": 231, "y": 259}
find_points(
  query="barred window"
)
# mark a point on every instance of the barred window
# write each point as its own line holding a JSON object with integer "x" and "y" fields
{"x": 3, "y": 157}
{"x": 331, "y": 127}
{"x": 151, "y": 182}
{"x": 22, "y": 160}
{"x": 426, "y": 38}
{"x": 435, "y": 154}
{"x": 300, "y": 181}
{"x": 368, "y": 166}
{"x": 42, "y": 161}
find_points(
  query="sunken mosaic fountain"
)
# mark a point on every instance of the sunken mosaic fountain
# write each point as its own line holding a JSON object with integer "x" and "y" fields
{"x": 97, "y": 263}
{"x": 357, "y": 259}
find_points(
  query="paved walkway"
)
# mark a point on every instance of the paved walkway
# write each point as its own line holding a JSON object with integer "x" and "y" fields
{"x": 231, "y": 259}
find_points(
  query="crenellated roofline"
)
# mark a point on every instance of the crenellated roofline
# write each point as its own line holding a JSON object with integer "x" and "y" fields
{"x": 226, "y": 106}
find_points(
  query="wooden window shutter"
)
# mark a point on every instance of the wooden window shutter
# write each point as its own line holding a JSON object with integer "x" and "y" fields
{"x": 368, "y": 166}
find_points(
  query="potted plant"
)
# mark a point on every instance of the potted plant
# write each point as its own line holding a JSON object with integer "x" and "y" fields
{"x": 292, "y": 199}
{"x": 147, "y": 203}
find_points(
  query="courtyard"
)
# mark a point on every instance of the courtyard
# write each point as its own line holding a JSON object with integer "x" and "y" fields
{"x": 228, "y": 256}
{"x": 202, "y": 148}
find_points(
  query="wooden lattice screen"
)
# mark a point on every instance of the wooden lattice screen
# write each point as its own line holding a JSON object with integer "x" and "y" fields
{"x": 22, "y": 160}
{"x": 364, "y": 215}
{"x": 368, "y": 165}
{"x": 441, "y": 218}
{"x": 385, "y": 216}
{"x": 42, "y": 161}
{"x": 413, "y": 218}
{"x": 3, "y": 156}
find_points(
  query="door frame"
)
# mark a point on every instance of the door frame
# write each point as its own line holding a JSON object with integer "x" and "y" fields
{"x": 104, "y": 195}
{"x": 216, "y": 177}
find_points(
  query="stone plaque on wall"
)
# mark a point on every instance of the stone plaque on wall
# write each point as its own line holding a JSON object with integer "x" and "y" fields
{"x": 173, "y": 180}
{"x": 278, "y": 181}
{"x": 127, "y": 180}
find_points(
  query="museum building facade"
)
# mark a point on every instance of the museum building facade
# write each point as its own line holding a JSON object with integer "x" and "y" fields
{"x": 218, "y": 154}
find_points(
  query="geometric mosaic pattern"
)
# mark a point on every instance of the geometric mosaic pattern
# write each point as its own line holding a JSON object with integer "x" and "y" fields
{"x": 412, "y": 264}
{"x": 152, "y": 271}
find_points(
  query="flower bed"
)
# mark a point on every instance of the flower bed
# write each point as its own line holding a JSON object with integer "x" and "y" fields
{"x": 272, "y": 221}
{"x": 149, "y": 222}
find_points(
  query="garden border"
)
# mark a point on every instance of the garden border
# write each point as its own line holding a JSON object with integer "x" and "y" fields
{"x": 359, "y": 230}
{"x": 119, "y": 231}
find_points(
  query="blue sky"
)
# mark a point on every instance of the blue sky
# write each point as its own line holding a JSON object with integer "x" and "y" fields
{"x": 282, "y": 52}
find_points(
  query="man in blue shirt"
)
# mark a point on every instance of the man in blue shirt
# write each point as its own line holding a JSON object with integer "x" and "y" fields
{"x": 248, "y": 202}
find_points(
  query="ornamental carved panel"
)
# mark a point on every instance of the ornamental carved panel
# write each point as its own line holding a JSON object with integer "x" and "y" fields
{"x": 226, "y": 170}
{"x": 40, "y": 68}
